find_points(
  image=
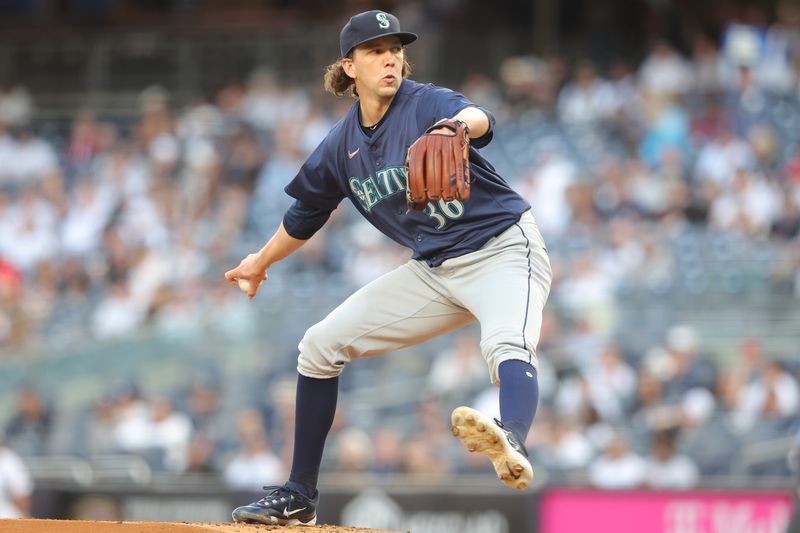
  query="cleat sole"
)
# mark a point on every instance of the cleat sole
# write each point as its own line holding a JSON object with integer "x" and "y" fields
{"x": 480, "y": 434}
{"x": 243, "y": 516}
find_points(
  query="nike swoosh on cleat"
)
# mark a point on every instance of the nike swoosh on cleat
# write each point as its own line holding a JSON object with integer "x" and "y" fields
{"x": 511, "y": 471}
{"x": 288, "y": 513}
{"x": 352, "y": 154}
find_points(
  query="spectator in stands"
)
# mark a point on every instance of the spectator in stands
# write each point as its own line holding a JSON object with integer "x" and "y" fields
{"x": 388, "y": 451}
{"x": 545, "y": 185}
{"x": 665, "y": 468}
{"x": 286, "y": 155}
{"x": 569, "y": 448}
{"x": 16, "y": 484}
{"x": 665, "y": 72}
{"x": 117, "y": 314}
{"x": 34, "y": 158}
{"x": 91, "y": 206}
{"x": 28, "y": 432}
{"x": 611, "y": 383}
{"x": 588, "y": 98}
{"x": 29, "y": 234}
{"x": 254, "y": 464}
{"x": 685, "y": 368}
{"x": 667, "y": 135}
{"x": 84, "y": 141}
{"x": 458, "y": 372}
{"x": 130, "y": 411}
{"x": 169, "y": 432}
{"x": 707, "y": 65}
{"x": 354, "y": 451}
{"x": 424, "y": 460}
{"x": 749, "y": 360}
{"x": 156, "y": 431}
{"x": 589, "y": 292}
{"x": 749, "y": 205}
{"x": 706, "y": 435}
{"x": 97, "y": 434}
{"x": 618, "y": 467}
{"x": 768, "y": 402}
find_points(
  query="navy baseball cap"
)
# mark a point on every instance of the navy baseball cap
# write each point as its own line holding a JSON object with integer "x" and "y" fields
{"x": 371, "y": 25}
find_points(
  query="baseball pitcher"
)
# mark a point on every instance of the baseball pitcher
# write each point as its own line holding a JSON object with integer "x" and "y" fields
{"x": 406, "y": 155}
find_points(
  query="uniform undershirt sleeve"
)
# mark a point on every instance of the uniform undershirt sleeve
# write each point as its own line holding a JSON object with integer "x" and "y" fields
{"x": 486, "y": 138}
{"x": 302, "y": 221}
{"x": 441, "y": 102}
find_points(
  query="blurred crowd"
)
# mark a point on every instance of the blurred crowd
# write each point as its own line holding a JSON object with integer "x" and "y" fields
{"x": 112, "y": 226}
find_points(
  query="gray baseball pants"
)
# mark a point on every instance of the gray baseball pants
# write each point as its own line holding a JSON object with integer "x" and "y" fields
{"x": 503, "y": 286}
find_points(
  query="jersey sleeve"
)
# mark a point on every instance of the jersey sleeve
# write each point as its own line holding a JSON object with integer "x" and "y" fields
{"x": 316, "y": 184}
{"x": 440, "y": 102}
{"x": 302, "y": 221}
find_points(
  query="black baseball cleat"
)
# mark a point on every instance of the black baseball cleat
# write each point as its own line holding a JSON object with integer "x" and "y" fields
{"x": 281, "y": 506}
{"x": 480, "y": 434}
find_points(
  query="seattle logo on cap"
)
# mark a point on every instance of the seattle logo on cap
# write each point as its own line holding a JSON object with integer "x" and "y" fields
{"x": 383, "y": 22}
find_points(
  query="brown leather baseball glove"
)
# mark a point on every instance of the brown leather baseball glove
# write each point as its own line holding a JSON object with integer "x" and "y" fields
{"x": 438, "y": 165}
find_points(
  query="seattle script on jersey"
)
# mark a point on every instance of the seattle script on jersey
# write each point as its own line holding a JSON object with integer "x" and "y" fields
{"x": 369, "y": 168}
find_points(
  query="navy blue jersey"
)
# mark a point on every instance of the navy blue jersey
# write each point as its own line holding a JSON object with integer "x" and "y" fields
{"x": 371, "y": 172}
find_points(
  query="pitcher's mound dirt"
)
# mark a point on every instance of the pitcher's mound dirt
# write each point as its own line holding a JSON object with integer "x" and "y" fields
{"x": 83, "y": 526}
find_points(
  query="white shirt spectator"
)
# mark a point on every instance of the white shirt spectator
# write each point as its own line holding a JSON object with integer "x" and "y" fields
{"x": 159, "y": 428}
{"x": 316, "y": 128}
{"x": 142, "y": 223}
{"x": 33, "y": 160}
{"x": 118, "y": 314}
{"x": 459, "y": 368}
{"x": 754, "y": 202}
{"x": 570, "y": 448}
{"x": 267, "y": 104}
{"x": 15, "y": 483}
{"x": 774, "y": 70}
{"x": 201, "y": 120}
{"x": 131, "y": 421}
{"x": 148, "y": 275}
{"x": 488, "y": 402}
{"x": 587, "y": 100}
{"x": 774, "y": 393}
{"x": 28, "y": 235}
{"x": 127, "y": 173}
{"x": 589, "y": 292}
{"x": 89, "y": 212}
{"x": 254, "y": 466}
{"x": 665, "y": 72}
{"x": 618, "y": 468}
{"x": 171, "y": 431}
{"x": 678, "y": 472}
{"x": 719, "y": 160}
{"x": 611, "y": 383}
{"x": 546, "y": 191}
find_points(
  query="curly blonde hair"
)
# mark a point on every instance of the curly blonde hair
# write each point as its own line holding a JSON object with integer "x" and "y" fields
{"x": 339, "y": 83}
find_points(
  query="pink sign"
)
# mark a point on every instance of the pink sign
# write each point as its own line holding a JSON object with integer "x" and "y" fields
{"x": 579, "y": 511}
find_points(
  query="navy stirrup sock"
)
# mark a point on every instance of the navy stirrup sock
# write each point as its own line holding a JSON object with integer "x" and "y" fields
{"x": 519, "y": 396}
{"x": 314, "y": 410}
